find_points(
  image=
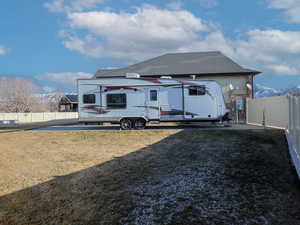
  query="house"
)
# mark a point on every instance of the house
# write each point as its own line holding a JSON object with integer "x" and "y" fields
{"x": 68, "y": 103}
{"x": 235, "y": 80}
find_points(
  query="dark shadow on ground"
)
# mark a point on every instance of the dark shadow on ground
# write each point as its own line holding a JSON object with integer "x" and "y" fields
{"x": 192, "y": 177}
{"x": 157, "y": 127}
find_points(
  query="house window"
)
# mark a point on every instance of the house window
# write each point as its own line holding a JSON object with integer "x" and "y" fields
{"x": 153, "y": 95}
{"x": 116, "y": 101}
{"x": 197, "y": 90}
{"x": 89, "y": 99}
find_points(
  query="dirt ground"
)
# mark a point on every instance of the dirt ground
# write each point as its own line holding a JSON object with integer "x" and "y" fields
{"x": 147, "y": 177}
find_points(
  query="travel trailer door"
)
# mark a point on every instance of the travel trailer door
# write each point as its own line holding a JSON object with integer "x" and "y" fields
{"x": 152, "y": 103}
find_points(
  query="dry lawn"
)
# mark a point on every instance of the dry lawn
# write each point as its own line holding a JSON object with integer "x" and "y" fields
{"x": 147, "y": 177}
{"x": 30, "y": 158}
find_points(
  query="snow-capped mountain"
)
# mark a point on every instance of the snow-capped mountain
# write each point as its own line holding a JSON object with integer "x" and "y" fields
{"x": 262, "y": 91}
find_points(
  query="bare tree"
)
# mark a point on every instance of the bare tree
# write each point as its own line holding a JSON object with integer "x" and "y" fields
{"x": 51, "y": 101}
{"x": 20, "y": 95}
{"x": 17, "y": 94}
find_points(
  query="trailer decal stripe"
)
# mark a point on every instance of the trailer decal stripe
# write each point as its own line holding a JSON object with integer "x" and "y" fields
{"x": 100, "y": 112}
{"x": 149, "y": 107}
{"x": 113, "y": 88}
{"x": 176, "y": 112}
{"x": 188, "y": 83}
{"x": 173, "y": 112}
{"x": 90, "y": 106}
{"x": 96, "y": 109}
{"x": 153, "y": 80}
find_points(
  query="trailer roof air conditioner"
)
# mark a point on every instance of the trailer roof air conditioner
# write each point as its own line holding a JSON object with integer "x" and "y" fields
{"x": 133, "y": 75}
{"x": 166, "y": 77}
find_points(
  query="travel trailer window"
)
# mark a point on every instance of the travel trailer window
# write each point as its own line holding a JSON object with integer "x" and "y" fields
{"x": 197, "y": 90}
{"x": 116, "y": 101}
{"x": 153, "y": 95}
{"x": 89, "y": 99}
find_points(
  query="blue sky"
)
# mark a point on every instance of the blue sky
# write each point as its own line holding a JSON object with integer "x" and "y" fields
{"x": 57, "y": 41}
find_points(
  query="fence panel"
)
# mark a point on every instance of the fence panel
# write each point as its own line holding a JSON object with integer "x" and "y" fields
{"x": 279, "y": 112}
{"x": 270, "y": 112}
{"x": 38, "y": 117}
{"x": 293, "y": 131}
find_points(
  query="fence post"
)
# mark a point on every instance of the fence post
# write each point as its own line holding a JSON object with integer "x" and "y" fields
{"x": 247, "y": 110}
{"x": 290, "y": 113}
{"x": 264, "y": 118}
{"x": 297, "y": 122}
{"x": 294, "y": 115}
{"x": 291, "y": 116}
{"x": 296, "y": 119}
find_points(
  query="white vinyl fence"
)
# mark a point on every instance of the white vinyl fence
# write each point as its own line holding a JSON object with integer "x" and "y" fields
{"x": 38, "y": 117}
{"x": 279, "y": 112}
{"x": 269, "y": 112}
{"x": 293, "y": 131}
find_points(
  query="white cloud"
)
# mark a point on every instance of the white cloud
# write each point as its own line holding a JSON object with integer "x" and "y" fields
{"x": 273, "y": 51}
{"x": 291, "y": 8}
{"x": 88, "y": 46}
{"x": 176, "y": 5}
{"x": 209, "y": 3}
{"x": 3, "y": 50}
{"x": 284, "y": 69}
{"x": 47, "y": 89}
{"x": 267, "y": 45}
{"x": 150, "y": 31}
{"x": 280, "y": 49}
{"x": 146, "y": 32}
{"x": 282, "y": 3}
{"x": 64, "y": 79}
{"x": 71, "y": 5}
{"x": 213, "y": 41}
{"x": 148, "y": 22}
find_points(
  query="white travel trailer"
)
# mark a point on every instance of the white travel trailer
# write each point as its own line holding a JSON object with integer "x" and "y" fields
{"x": 133, "y": 102}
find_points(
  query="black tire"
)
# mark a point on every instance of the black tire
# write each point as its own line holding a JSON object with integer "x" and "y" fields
{"x": 139, "y": 124}
{"x": 126, "y": 124}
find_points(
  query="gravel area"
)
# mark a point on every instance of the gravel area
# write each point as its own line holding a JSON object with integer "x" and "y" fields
{"x": 189, "y": 177}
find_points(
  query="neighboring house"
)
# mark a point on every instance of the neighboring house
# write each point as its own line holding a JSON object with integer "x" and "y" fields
{"x": 235, "y": 80}
{"x": 68, "y": 103}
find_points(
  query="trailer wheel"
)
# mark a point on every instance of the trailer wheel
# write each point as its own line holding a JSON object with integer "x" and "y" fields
{"x": 139, "y": 124}
{"x": 126, "y": 124}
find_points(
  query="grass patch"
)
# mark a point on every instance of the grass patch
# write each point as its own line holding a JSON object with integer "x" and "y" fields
{"x": 147, "y": 177}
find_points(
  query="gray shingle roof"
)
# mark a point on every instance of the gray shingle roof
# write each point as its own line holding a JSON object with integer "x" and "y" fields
{"x": 72, "y": 98}
{"x": 195, "y": 63}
